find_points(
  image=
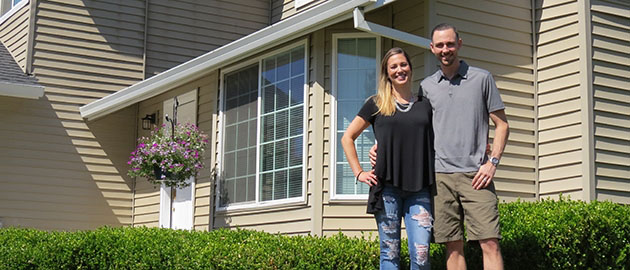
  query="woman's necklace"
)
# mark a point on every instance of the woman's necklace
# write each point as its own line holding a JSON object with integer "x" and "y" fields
{"x": 405, "y": 107}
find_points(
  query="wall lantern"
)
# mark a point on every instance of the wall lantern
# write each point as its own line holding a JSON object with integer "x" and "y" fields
{"x": 148, "y": 121}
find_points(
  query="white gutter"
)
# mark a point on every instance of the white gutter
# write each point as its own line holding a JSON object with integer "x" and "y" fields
{"x": 318, "y": 17}
{"x": 377, "y": 29}
{"x": 21, "y": 90}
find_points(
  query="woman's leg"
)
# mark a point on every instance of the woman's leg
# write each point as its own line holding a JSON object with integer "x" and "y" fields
{"x": 418, "y": 222}
{"x": 388, "y": 222}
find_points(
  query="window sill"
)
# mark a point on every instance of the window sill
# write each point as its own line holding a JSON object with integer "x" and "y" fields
{"x": 263, "y": 207}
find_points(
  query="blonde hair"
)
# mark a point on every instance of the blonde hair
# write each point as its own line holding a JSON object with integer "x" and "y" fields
{"x": 385, "y": 101}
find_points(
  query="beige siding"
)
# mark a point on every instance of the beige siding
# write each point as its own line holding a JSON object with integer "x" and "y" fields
{"x": 282, "y": 9}
{"x": 84, "y": 50}
{"x": 14, "y": 35}
{"x": 181, "y": 30}
{"x": 559, "y": 98}
{"x": 611, "y": 102}
{"x": 59, "y": 173}
{"x": 497, "y": 36}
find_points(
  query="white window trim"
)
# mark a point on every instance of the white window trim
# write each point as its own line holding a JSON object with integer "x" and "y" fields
{"x": 333, "y": 114}
{"x": 257, "y": 203}
{"x": 13, "y": 10}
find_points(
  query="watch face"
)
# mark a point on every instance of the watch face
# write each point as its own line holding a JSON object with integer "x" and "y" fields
{"x": 494, "y": 160}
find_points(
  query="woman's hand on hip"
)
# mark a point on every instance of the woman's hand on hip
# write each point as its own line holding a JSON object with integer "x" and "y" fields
{"x": 368, "y": 177}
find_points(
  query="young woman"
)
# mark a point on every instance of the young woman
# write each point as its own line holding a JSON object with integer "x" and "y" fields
{"x": 399, "y": 183}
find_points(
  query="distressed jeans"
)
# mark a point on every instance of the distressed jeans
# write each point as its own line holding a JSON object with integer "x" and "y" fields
{"x": 415, "y": 207}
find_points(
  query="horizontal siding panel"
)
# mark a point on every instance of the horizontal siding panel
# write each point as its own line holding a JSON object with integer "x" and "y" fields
{"x": 559, "y": 108}
{"x": 570, "y": 170}
{"x": 558, "y": 46}
{"x": 562, "y": 185}
{"x": 611, "y": 170}
{"x": 558, "y": 34}
{"x": 612, "y": 56}
{"x": 347, "y": 223}
{"x": 564, "y": 61}
{"x": 614, "y": 158}
{"x": 612, "y": 119}
{"x": 615, "y": 145}
{"x": 607, "y": 19}
{"x": 613, "y": 184}
{"x": 609, "y": 69}
{"x": 551, "y": 24}
{"x": 556, "y": 8}
{"x": 148, "y": 220}
{"x": 558, "y": 96}
{"x": 560, "y": 133}
{"x": 525, "y": 187}
{"x": 341, "y": 210}
{"x": 612, "y": 107}
{"x": 557, "y": 147}
{"x": 560, "y": 68}
{"x": 574, "y": 118}
{"x": 570, "y": 80}
{"x": 560, "y": 159}
{"x": 515, "y": 173}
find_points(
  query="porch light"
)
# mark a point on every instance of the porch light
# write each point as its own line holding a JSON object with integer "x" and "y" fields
{"x": 148, "y": 121}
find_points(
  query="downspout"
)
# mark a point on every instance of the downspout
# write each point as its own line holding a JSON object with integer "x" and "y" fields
{"x": 144, "y": 72}
{"x": 536, "y": 128}
{"x": 144, "y": 42}
{"x": 30, "y": 46}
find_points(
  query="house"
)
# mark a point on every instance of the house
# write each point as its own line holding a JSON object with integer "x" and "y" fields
{"x": 60, "y": 172}
{"x": 276, "y": 100}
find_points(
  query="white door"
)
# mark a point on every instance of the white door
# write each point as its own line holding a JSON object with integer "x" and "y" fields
{"x": 176, "y": 204}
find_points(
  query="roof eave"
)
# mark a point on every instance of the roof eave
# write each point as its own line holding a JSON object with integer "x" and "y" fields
{"x": 21, "y": 90}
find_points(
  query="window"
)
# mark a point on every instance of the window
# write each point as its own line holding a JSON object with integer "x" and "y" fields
{"x": 7, "y": 5}
{"x": 355, "y": 67}
{"x": 263, "y": 130}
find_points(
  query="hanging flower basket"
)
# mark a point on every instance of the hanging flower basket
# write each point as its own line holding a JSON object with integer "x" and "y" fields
{"x": 169, "y": 158}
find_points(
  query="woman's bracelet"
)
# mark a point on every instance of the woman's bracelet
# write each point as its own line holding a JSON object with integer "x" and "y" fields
{"x": 356, "y": 179}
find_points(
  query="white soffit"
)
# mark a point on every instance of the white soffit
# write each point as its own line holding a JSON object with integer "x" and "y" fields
{"x": 21, "y": 90}
{"x": 312, "y": 19}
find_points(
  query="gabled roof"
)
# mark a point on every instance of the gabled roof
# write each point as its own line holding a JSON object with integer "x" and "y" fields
{"x": 320, "y": 16}
{"x": 13, "y": 81}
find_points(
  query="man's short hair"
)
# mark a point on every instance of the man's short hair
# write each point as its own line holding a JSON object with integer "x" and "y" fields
{"x": 444, "y": 26}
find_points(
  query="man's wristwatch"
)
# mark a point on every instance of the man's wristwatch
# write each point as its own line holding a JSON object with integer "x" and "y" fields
{"x": 494, "y": 161}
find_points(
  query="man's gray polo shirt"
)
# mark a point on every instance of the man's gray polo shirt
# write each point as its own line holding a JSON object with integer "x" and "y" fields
{"x": 461, "y": 108}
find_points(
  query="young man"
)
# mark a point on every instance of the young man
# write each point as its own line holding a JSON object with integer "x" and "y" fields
{"x": 463, "y": 98}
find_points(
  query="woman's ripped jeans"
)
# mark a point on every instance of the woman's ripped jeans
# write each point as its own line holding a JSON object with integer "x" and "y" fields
{"x": 415, "y": 207}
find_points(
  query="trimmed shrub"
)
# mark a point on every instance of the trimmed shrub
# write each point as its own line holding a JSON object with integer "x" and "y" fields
{"x": 542, "y": 235}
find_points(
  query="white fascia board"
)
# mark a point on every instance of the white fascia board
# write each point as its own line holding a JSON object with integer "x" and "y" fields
{"x": 361, "y": 24}
{"x": 307, "y": 21}
{"x": 21, "y": 90}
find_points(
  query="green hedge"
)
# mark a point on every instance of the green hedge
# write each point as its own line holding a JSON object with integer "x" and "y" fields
{"x": 543, "y": 235}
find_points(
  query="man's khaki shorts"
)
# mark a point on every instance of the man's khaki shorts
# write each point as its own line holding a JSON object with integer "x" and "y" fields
{"x": 456, "y": 203}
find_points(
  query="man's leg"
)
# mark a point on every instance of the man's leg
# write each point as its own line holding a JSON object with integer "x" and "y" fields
{"x": 455, "y": 255}
{"x": 492, "y": 258}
